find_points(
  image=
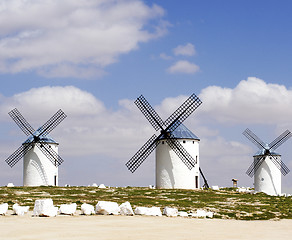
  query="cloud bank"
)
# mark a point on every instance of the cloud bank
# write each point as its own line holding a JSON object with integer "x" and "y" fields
{"x": 54, "y": 38}
{"x": 252, "y": 101}
{"x": 113, "y": 137}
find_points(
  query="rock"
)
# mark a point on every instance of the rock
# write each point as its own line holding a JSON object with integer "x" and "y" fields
{"x": 215, "y": 187}
{"x": 44, "y": 208}
{"x": 10, "y": 185}
{"x": 3, "y": 208}
{"x": 244, "y": 190}
{"x": 183, "y": 214}
{"x": 101, "y": 186}
{"x": 94, "y": 185}
{"x": 170, "y": 212}
{"x": 126, "y": 209}
{"x": 201, "y": 213}
{"x": 107, "y": 208}
{"x": 141, "y": 210}
{"x": 87, "y": 209}
{"x": 209, "y": 214}
{"x": 153, "y": 211}
{"x": 19, "y": 210}
{"x": 68, "y": 209}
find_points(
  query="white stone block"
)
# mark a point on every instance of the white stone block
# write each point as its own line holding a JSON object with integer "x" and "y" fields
{"x": 215, "y": 187}
{"x": 19, "y": 210}
{"x": 183, "y": 214}
{"x": 45, "y": 208}
{"x": 107, "y": 208}
{"x": 87, "y": 209}
{"x": 141, "y": 210}
{"x": 201, "y": 213}
{"x": 209, "y": 214}
{"x": 101, "y": 186}
{"x": 68, "y": 209}
{"x": 170, "y": 212}
{"x": 94, "y": 185}
{"x": 152, "y": 211}
{"x": 10, "y": 185}
{"x": 3, "y": 208}
{"x": 126, "y": 209}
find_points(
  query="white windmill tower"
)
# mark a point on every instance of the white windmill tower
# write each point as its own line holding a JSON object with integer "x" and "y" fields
{"x": 39, "y": 151}
{"x": 267, "y": 165}
{"x": 177, "y": 149}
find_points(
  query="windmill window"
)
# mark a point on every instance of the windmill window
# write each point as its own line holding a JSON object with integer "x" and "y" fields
{"x": 184, "y": 141}
{"x": 196, "y": 159}
{"x": 193, "y": 142}
{"x": 162, "y": 142}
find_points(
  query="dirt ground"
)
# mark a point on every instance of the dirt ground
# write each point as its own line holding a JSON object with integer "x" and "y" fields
{"x": 138, "y": 228}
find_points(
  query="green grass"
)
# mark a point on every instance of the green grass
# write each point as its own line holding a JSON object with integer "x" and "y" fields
{"x": 226, "y": 203}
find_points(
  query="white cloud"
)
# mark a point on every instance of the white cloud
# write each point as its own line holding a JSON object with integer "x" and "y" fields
{"x": 185, "y": 50}
{"x": 165, "y": 56}
{"x": 183, "y": 67}
{"x": 252, "y": 101}
{"x": 53, "y": 36}
{"x": 37, "y": 101}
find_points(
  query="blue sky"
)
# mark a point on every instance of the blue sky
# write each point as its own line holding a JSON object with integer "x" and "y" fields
{"x": 93, "y": 58}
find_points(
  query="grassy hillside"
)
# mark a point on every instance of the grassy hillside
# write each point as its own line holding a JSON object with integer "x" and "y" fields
{"x": 226, "y": 204}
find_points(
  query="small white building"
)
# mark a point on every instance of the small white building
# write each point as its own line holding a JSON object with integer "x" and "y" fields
{"x": 267, "y": 177}
{"x": 171, "y": 172}
{"x": 38, "y": 170}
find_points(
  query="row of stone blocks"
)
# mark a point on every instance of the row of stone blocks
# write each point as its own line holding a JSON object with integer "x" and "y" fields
{"x": 45, "y": 207}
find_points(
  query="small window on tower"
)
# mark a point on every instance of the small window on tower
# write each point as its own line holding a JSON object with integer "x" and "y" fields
{"x": 184, "y": 141}
{"x": 162, "y": 142}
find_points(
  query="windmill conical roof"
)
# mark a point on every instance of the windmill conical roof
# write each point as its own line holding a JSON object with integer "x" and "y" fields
{"x": 182, "y": 132}
{"x": 47, "y": 138}
{"x": 261, "y": 152}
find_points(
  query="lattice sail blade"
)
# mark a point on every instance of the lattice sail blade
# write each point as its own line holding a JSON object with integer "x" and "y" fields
{"x": 180, "y": 151}
{"x": 142, "y": 154}
{"x": 280, "y": 165}
{"x": 182, "y": 113}
{"x": 254, "y": 138}
{"x": 53, "y": 122}
{"x": 254, "y": 166}
{"x": 149, "y": 113}
{"x": 21, "y": 122}
{"x": 54, "y": 157}
{"x": 18, "y": 154}
{"x": 280, "y": 140}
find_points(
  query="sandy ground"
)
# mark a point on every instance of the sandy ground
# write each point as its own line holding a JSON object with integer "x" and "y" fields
{"x": 138, "y": 228}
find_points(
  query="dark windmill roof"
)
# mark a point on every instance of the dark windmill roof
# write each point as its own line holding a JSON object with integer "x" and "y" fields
{"x": 262, "y": 152}
{"x": 182, "y": 132}
{"x": 46, "y": 139}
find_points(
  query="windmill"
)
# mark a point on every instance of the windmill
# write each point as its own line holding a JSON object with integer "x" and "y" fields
{"x": 267, "y": 166}
{"x": 175, "y": 166}
{"x": 39, "y": 151}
